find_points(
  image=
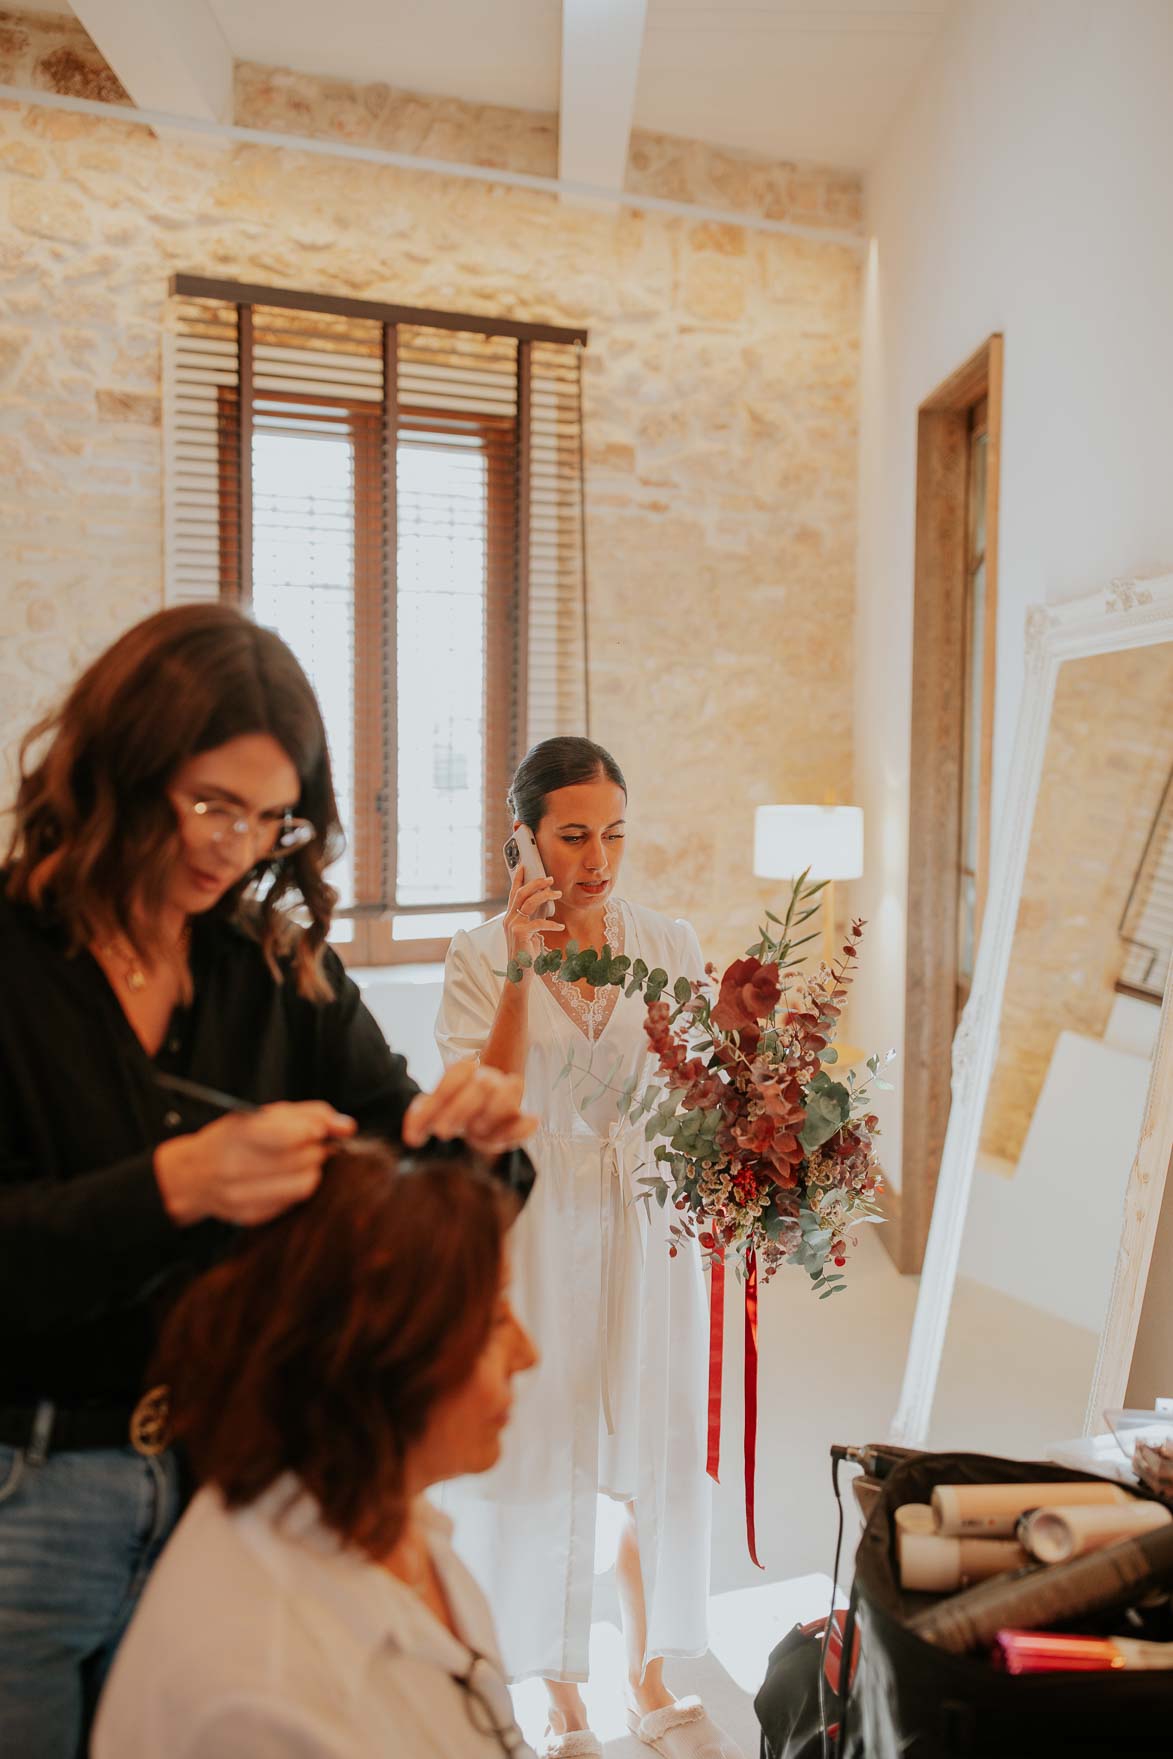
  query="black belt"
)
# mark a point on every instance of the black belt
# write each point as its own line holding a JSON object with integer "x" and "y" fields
{"x": 48, "y": 1429}
{"x": 104, "y": 1427}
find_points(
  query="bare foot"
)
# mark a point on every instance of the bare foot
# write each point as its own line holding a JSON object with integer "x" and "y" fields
{"x": 567, "y": 1713}
{"x": 647, "y": 1695}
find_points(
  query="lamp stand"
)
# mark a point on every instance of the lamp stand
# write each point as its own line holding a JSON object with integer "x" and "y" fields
{"x": 829, "y": 922}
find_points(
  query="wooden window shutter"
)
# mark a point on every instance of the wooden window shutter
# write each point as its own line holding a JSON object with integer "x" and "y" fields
{"x": 399, "y": 493}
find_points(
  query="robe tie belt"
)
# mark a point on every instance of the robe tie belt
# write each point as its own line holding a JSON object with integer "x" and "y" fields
{"x": 618, "y": 1222}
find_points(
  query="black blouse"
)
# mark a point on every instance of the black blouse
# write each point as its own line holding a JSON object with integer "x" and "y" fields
{"x": 89, "y": 1257}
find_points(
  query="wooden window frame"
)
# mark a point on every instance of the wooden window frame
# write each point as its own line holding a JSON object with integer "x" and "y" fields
{"x": 377, "y": 427}
{"x": 936, "y": 785}
{"x": 374, "y": 940}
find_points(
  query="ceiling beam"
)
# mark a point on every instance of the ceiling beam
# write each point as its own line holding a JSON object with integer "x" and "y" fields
{"x": 602, "y": 41}
{"x": 169, "y": 54}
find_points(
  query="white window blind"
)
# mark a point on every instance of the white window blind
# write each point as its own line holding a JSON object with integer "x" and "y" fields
{"x": 399, "y": 495}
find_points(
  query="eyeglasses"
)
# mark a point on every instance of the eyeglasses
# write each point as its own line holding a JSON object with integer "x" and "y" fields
{"x": 489, "y": 1706}
{"x": 216, "y": 822}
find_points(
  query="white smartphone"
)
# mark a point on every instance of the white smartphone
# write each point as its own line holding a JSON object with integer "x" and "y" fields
{"x": 521, "y": 851}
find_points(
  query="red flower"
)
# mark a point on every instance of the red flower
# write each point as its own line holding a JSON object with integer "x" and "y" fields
{"x": 749, "y": 993}
{"x": 776, "y": 1152}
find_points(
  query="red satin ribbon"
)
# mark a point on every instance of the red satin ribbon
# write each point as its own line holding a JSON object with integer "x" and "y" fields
{"x": 751, "y": 1399}
{"x": 716, "y": 1359}
{"x": 716, "y": 1364}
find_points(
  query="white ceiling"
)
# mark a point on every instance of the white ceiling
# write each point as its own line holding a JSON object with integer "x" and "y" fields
{"x": 796, "y": 79}
{"x": 819, "y": 80}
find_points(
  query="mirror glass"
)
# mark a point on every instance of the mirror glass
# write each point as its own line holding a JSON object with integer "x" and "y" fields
{"x": 1063, "y": 1114}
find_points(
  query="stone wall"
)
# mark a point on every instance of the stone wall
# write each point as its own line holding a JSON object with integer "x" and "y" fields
{"x": 720, "y": 406}
{"x": 1107, "y": 760}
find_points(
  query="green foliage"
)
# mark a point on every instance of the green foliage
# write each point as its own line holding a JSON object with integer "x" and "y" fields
{"x": 656, "y": 984}
{"x": 828, "y": 1108}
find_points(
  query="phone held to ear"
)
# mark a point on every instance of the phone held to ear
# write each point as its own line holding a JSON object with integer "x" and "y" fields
{"x": 521, "y": 851}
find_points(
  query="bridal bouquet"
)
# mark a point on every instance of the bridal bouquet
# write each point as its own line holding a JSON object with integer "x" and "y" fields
{"x": 760, "y": 1148}
{"x": 762, "y": 1152}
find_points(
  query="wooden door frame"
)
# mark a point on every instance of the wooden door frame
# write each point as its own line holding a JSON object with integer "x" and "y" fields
{"x": 935, "y": 770}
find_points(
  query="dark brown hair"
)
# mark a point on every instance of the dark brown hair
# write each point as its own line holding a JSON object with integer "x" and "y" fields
{"x": 321, "y": 1347}
{"x": 558, "y": 763}
{"x": 95, "y": 831}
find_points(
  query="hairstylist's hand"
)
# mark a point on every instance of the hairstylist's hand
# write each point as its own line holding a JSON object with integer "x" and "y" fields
{"x": 481, "y": 1104}
{"x": 524, "y": 922}
{"x": 249, "y": 1166}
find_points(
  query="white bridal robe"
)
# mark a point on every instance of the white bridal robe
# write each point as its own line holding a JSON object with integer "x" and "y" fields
{"x": 617, "y": 1403}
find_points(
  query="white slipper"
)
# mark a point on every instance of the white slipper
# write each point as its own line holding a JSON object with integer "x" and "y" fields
{"x": 580, "y": 1743}
{"x": 683, "y": 1730}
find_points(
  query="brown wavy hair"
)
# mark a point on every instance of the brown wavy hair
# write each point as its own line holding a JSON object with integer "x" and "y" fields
{"x": 95, "y": 833}
{"x": 321, "y": 1346}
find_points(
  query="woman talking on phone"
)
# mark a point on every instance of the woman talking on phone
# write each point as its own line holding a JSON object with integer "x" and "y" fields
{"x": 168, "y": 815}
{"x": 617, "y": 1405}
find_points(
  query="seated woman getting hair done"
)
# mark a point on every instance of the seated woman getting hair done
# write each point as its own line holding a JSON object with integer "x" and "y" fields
{"x": 168, "y": 816}
{"x": 309, "y": 1606}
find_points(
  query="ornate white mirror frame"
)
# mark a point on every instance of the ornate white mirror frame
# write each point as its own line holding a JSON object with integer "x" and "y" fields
{"x": 1131, "y": 614}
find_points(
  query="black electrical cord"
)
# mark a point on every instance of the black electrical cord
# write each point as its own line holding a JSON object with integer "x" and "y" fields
{"x": 877, "y": 1460}
{"x": 838, "y": 1455}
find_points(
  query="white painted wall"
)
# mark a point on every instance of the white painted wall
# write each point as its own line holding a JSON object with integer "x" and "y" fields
{"x": 405, "y": 1000}
{"x": 1028, "y": 188}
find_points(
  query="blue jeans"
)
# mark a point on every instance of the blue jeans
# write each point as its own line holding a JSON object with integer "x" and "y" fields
{"x": 79, "y": 1532}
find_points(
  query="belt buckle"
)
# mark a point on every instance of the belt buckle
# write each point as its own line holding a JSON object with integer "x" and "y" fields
{"x": 150, "y": 1423}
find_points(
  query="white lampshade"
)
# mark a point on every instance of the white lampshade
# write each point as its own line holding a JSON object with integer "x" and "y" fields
{"x": 826, "y": 839}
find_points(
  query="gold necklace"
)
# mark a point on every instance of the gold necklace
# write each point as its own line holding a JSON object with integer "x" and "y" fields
{"x": 133, "y": 973}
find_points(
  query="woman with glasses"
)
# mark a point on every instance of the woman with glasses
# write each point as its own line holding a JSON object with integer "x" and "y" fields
{"x": 168, "y": 816}
{"x": 359, "y": 1350}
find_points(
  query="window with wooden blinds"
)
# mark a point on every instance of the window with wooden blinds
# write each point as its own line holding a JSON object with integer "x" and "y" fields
{"x": 399, "y": 494}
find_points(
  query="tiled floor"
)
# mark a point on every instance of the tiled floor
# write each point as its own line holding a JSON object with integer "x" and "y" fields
{"x": 829, "y": 1371}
